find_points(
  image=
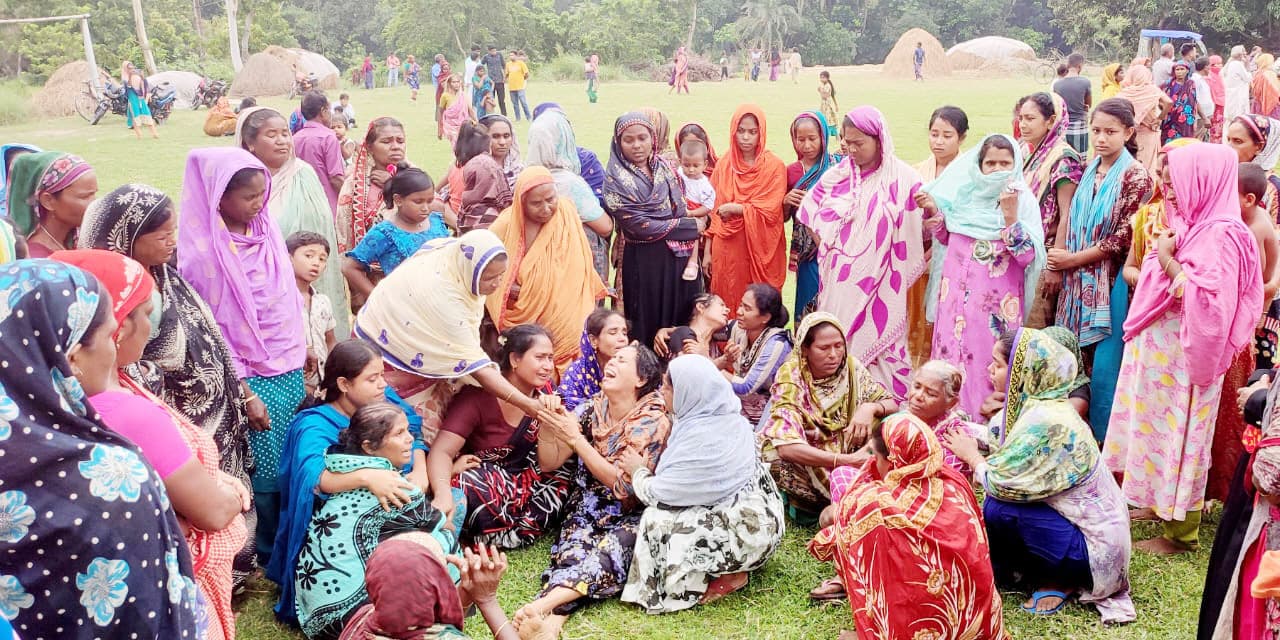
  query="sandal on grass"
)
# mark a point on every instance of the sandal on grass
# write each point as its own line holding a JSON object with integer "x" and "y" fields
{"x": 831, "y": 589}
{"x": 1040, "y": 595}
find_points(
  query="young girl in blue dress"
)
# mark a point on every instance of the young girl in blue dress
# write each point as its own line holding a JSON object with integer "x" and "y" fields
{"x": 409, "y": 195}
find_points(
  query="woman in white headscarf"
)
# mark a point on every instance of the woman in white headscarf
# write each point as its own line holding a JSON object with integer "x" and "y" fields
{"x": 1236, "y": 78}
{"x": 713, "y": 512}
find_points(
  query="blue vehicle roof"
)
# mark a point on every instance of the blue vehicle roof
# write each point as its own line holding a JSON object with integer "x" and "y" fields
{"x": 1160, "y": 33}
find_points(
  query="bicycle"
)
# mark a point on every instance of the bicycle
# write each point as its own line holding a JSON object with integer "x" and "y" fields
{"x": 1047, "y": 72}
{"x": 86, "y": 104}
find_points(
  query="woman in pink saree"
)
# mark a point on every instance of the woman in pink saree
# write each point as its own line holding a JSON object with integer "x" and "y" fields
{"x": 680, "y": 72}
{"x": 870, "y": 239}
{"x": 458, "y": 111}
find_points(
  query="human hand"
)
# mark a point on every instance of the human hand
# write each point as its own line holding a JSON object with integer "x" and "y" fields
{"x": 730, "y": 355}
{"x": 794, "y": 197}
{"x": 256, "y": 410}
{"x": 692, "y": 346}
{"x": 1060, "y": 259}
{"x": 1244, "y": 393}
{"x": 1166, "y": 242}
{"x": 861, "y": 421}
{"x": 1051, "y": 281}
{"x": 992, "y": 404}
{"x": 233, "y": 483}
{"x": 389, "y": 487}
{"x": 480, "y": 572}
{"x": 660, "y": 342}
{"x": 631, "y": 462}
{"x": 963, "y": 446}
{"x": 1008, "y": 201}
{"x": 379, "y": 177}
{"x": 926, "y": 202}
{"x": 730, "y": 210}
{"x": 465, "y": 463}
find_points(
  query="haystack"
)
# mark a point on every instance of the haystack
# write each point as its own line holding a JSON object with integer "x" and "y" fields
{"x": 58, "y": 97}
{"x": 185, "y": 84}
{"x": 263, "y": 75}
{"x": 307, "y": 62}
{"x": 983, "y": 52}
{"x": 901, "y": 60}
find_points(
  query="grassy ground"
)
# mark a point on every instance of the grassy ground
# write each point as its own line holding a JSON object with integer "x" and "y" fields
{"x": 1167, "y": 591}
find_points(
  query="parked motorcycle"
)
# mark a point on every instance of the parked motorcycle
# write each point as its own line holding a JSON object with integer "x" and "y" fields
{"x": 208, "y": 92}
{"x": 113, "y": 100}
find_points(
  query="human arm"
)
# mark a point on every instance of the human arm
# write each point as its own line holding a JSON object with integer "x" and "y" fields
{"x": 1132, "y": 268}
{"x": 389, "y": 487}
{"x": 491, "y": 380}
{"x": 1135, "y": 187}
{"x": 480, "y": 572}
{"x": 644, "y": 222}
{"x": 760, "y": 376}
{"x": 255, "y": 409}
{"x": 357, "y": 275}
{"x": 444, "y": 450}
{"x": 206, "y": 502}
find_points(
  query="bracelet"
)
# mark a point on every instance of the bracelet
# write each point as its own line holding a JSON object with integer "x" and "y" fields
{"x": 507, "y": 398}
{"x": 502, "y": 628}
{"x": 835, "y": 459}
{"x": 250, "y": 397}
{"x": 1165, "y": 265}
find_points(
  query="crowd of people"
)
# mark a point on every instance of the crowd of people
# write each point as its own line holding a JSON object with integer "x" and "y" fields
{"x": 370, "y": 384}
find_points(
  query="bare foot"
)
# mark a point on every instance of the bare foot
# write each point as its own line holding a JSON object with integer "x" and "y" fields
{"x": 724, "y": 585}
{"x": 1161, "y": 546}
{"x": 1143, "y": 515}
{"x": 827, "y": 517}
{"x": 848, "y": 635}
{"x": 830, "y": 589}
{"x": 541, "y": 627}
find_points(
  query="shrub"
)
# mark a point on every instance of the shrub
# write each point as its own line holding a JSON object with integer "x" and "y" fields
{"x": 15, "y": 102}
{"x": 567, "y": 67}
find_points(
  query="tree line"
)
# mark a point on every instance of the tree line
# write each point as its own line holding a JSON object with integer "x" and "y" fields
{"x": 211, "y": 35}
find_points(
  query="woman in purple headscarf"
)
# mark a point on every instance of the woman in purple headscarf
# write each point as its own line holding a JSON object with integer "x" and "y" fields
{"x": 233, "y": 255}
{"x": 870, "y": 245}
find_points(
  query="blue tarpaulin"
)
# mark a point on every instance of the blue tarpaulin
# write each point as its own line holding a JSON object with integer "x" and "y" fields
{"x": 1160, "y": 33}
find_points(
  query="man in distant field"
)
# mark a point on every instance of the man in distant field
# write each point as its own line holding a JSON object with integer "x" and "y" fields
{"x": 496, "y": 68}
{"x": 1077, "y": 91}
{"x": 469, "y": 73}
{"x": 795, "y": 63}
{"x": 517, "y": 73}
{"x": 393, "y": 70}
{"x": 917, "y": 61}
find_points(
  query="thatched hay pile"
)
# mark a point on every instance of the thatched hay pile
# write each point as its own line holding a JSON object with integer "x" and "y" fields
{"x": 701, "y": 69}
{"x": 982, "y": 52}
{"x": 58, "y": 97}
{"x": 263, "y": 75}
{"x": 312, "y": 62}
{"x": 185, "y": 84}
{"x": 901, "y": 59}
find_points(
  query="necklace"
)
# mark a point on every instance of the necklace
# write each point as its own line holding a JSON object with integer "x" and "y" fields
{"x": 62, "y": 246}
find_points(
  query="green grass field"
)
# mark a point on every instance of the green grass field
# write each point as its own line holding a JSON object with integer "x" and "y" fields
{"x": 775, "y": 605}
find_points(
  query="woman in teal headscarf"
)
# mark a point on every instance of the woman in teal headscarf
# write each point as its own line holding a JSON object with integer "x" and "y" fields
{"x": 809, "y": 139}
{"x": 552, "y": 145}
{"x": 988, "y": 254}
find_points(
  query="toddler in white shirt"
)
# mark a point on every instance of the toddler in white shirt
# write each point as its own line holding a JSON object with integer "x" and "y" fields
{"x": 699, "y": 195}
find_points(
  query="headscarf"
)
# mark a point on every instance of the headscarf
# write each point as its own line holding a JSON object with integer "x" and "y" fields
{"x": 661, "y": 132}
{"x": 558, "y": 282}
{"x": 970, "y": 203}
{"x": 1268, "y": 131}
{"x": 298, "y": 203}
{"x": 410, "y": 594}
{"x": 5, "y": 151}
{"x": 920, "y": 524}
{"x": 1042, "y": 162}
{"x": 868, "y": 227}
{"x": 1140, "y": 90}
{"x": 1221, "y": 275}
{"x": 1064, "y": 337}
{"x": 648, "y": 206}
{"x": 1179, "y": 90}
{"x": 700, "y": 133}
{"x": 1044, "y": 446}
{"x": 544, "y": 107}
{"x": 246, "y": 280}
{"x": 511, "y": 165}
{"x": 1216, "y": 87}
{"x": 360, "y": 201}
{"x": 33, "y": 174}
{"x": 65, "y": 473}
{"x": 1109, "y": 85}
{"x": 433, "y": 332}
{"x": 122, "y": 277}
{"x": 581, "y": 381}
{"x": 552, "y": 143}
{"x": 711, "y": 453}
{"x": 825, "y": 158}
{"x": 759, "y": 188}
{"x": 826, "y": 404}
{"x": 1265, "y": 87}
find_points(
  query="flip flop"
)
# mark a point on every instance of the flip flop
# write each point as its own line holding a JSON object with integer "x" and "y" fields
{"x": 1040, "y": 595}
{"x": 821, "y": 594}
{"x": 718, "y": 592}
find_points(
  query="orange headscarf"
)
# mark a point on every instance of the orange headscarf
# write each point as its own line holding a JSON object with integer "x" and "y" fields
{"x": 1266, "y": 89}
{"x": 752, "y": 247}
{"x": 558, "y": 282}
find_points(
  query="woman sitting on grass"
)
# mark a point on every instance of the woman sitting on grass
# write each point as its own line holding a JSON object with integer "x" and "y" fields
{"x": 592, "y": 557}
{"x": 713, "y": 513}
{"x": 1056, "y": 517}
{"x": 330, "y": 576}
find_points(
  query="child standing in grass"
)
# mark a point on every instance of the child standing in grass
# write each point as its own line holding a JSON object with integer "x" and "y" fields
{"x": 699, "y": 195}
{"x": 409, "y": 194}
{"x": 309, "y": 252}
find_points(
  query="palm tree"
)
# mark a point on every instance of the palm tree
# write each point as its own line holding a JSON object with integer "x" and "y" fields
{"x": 767, "y": 20}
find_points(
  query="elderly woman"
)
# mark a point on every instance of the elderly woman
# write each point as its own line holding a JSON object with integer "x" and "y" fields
{"x": 1056, "y": 518}
{"x": 187, "y": 363}
{"x": 430, "y": 336}
{"x": 870, "y": 245}
{"x": 1194, "y": 308}
{"x": 550, "y": 279}
{"x": 713, "y": 513}
{"x": 908, "y": 540}
{"x": 75, "y": 491}
{"x": 297, "y": 201}
{"x": 498, "y": 458}
{"x": 234, "y": 256}
{"x": 360, "y": 201}
{"x": 592, "y": 557}
{"x": 552, "y": 145}
{"x": 646, "y": 201}
{"x": 48, "y": 193}
{"x": 603, "y": 336}
{"x": 1236, "y": 80}
{"x": 208, "y": 502}
{"x": 987, "y": 257}
{"x": 748, "y": 237}
{"x": 824, "y": 404}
